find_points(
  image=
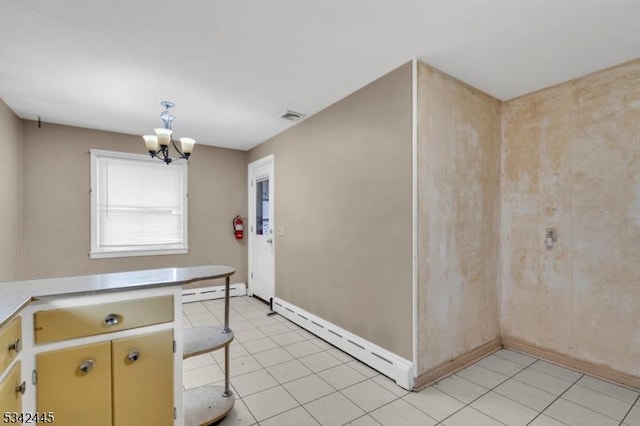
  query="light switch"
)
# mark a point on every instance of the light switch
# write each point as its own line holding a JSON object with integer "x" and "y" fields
{"x": 280, "y": 230}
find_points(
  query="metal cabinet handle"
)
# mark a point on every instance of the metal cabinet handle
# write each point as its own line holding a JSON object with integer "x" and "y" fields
{"x": 21, "y": 388}
{"x": 87, "y": 365}
{"x": 111, "y": 320}
{"x": 16, "y": 346}
{"x": 134, "y": 355}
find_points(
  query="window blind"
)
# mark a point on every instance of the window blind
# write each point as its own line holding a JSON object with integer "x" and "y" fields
{"x": 141, "y": 205}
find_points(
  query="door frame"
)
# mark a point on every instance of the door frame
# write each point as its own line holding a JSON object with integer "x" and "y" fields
{"x": 269, "y": 159}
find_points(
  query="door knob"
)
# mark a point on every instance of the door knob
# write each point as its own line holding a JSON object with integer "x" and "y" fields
{"x": 270, "y": 240}
{"x": 134, "y": 355}
{"x": 16, "y": 346}
{"x": 87, "y": 365}
{"x": 21, "y": 388}
{"x": 111, "y": 320}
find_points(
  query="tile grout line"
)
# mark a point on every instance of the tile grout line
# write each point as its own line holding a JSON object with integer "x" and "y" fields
{"x": 364, "y": 415}
{"x": 315, "y": 373}
{"x": 546, "y": 374}
{"x": 607, "y": 394}
{"x": 589, "y": 408}
{"x": 270, "y": 375}
{"x": 629, "y": 411}
{"x": 557, "y": 398}
{"x": 527, "y": 384}
{"x": 282, "y": 384}
{"x": 480, "y": 396}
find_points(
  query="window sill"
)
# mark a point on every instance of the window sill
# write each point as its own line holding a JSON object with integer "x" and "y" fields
{"x": 128, "y": 253}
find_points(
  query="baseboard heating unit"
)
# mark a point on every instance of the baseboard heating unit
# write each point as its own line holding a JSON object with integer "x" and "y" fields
{"x": 197, "y": 294}
{"x": 387, "y": 363}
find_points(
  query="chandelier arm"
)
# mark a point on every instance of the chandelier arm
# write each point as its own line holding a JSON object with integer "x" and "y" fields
{"x": 155, "y": 155}
{"x": 173, "y": 142}
{"x": 164, "y": 157}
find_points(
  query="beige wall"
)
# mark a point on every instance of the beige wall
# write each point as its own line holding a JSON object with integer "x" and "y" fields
{"x": 343, "y": 193}
{"x": 57, "y": 204}
{"x": 10, "y": 195}
{"x": 571, "y": 160}
{"x": 458, "y": 205}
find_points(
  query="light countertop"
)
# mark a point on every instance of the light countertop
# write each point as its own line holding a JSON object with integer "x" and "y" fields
{"x": 14, "y": 295}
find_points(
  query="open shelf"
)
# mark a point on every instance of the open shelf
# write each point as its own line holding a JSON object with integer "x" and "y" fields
{"x": 206, "y": 405}
{"x": 200, "y": 340}
{"x": 209, "y": 404}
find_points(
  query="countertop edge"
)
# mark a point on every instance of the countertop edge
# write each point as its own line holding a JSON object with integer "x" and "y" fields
{"x": 15, "y": 295}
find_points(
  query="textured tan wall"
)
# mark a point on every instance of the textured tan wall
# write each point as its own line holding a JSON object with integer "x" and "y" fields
{"x": 458, "y": 205}
{"x": 10, "y": 195}
{"x": 571, "y": 160}
{"x": 343, "y": 193}
{"x": 57, "y": 209}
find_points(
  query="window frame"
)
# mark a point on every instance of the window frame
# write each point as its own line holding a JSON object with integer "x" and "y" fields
{"x": 98, "y": 252}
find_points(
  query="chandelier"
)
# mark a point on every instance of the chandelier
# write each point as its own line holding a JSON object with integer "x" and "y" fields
{"x": 158, "y": 144}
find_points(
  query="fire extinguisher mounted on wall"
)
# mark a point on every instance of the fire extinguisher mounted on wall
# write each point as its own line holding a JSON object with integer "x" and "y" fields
{"x": 238, "y": 227}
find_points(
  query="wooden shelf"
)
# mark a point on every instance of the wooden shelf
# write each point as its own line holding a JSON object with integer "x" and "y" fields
{"x": 206, "y": 405}
{"x": 200, "y": 340}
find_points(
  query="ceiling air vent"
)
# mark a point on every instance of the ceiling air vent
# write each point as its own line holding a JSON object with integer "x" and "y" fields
{"x": 292, "y": 115}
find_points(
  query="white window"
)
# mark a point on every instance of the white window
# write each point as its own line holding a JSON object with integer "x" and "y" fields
{"x": 138, "y": 205}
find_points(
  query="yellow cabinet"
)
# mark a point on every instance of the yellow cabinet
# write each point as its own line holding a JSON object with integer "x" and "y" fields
{"x": 123, "y": 382}
{"x": 143, "y": 380}
{"x": 10, "y": 342}
{"x": 69, "y": 323}
{"x": 11, "y": 389}
{"x": 75, "y": 384}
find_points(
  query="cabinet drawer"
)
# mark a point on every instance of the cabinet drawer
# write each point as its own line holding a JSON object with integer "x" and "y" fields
{"x": 10, "y": 342}
{"x": 10, "y": 397}
{"x": 69, "y": 323}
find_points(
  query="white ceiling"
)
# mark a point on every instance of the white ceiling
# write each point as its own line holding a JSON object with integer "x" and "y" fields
{"x": 232, "y": 66}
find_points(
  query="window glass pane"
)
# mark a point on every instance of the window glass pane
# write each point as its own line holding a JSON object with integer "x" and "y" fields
{"x": 262, "y": 207}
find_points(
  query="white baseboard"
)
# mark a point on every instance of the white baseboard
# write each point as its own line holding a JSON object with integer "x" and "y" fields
{"x": 213, "y": 292}
{"x": 387, "y": 363}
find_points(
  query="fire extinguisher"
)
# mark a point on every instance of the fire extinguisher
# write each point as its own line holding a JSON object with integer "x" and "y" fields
{"x": 238, "y": 227}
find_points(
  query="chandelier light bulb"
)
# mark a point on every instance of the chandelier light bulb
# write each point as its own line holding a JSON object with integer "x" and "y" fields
{"x": 151, "y": 142}
{"x": 164, "y": 136}
{"x": 187, "y": 145}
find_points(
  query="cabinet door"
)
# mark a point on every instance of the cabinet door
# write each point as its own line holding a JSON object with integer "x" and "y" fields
{"x": 10, "y": 343}
{"x": 143, "y": 380}
{"x": 75, "y": 384}
{"x": 10, "y": 397}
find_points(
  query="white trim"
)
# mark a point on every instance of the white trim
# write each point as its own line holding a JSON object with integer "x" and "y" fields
{"x": 387, "y": 363}
{"x": 97, "y": 252}
{"x": 414, "y": 206}
{"x": 262, "y": 161}
{"x": 133, "y": 253}
{"x": 212, "y": 292}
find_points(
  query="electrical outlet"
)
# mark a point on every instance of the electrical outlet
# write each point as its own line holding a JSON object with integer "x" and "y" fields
{"x": 551, "y": 237}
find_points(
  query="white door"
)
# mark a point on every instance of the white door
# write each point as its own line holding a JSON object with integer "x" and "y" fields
{"x": 261, "y": 224}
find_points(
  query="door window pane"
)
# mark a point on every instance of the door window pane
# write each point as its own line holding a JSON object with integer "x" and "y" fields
{"x": 262, "y": 207}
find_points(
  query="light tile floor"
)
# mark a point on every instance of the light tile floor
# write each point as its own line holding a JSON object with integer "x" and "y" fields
{"x": 282, "y": 375}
